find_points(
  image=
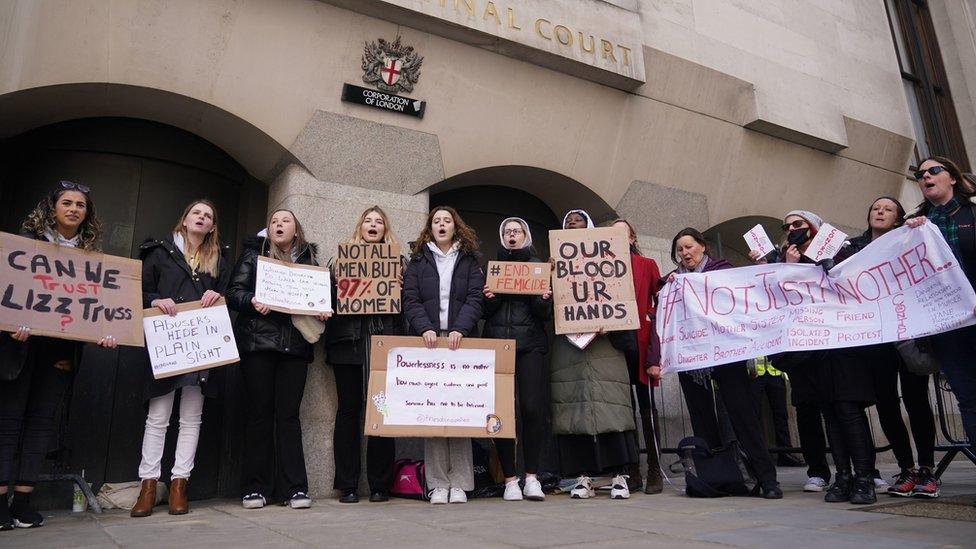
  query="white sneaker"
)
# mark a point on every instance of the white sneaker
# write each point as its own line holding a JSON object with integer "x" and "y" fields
{"x": 881, "y": 485}
{"x": 458, "y": 496}
{"x": 815, "y": 484}
{"x": 253, "y": 500}
{"x": 533, "y": 489}
{"x": 438, "y": 496}
{"x": 583, "y": 488}
{"x": 618, "y": 488}
{"x": 512, "y": 491}
{"x": 299, "y": 501}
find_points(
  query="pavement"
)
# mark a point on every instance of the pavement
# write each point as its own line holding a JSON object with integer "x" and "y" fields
{"x": 798, "y": 521}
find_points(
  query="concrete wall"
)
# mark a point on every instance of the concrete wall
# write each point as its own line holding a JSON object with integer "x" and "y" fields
{"x": 955, "y": 24}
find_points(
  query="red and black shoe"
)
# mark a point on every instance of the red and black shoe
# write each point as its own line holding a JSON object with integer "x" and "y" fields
{"x": 926, "y": 485}
{"x": 904, "y": 483}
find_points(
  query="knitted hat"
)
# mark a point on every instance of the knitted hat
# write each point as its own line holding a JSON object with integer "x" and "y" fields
{"x": 811, "y": 218}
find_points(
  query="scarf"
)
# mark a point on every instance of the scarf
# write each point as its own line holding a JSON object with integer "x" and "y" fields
{"x": 941, "y": 217}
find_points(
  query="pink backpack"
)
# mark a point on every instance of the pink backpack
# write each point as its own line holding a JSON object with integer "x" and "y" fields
{"x": 409, "y": 479}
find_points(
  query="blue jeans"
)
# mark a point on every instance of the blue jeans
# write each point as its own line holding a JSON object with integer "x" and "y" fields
{"x": 956, "y": 351}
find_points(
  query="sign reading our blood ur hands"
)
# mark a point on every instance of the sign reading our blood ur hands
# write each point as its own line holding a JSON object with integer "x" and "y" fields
{"x": 904, "y": 285}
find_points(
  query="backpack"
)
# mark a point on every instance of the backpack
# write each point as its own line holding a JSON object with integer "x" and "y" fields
{"x": 710, "y": 473}
{"x": 409, "y": 480}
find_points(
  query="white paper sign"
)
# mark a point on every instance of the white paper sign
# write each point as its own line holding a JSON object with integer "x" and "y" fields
{"x": 195, "y": 339}
{"x": 581, "y": 340}
{"x": 439, "y": 387}
{"x": 758, "y": 240}
{"x": 292, "y": 288}
{"x": 904, "y": 285}
{"x": 826, "y": 244}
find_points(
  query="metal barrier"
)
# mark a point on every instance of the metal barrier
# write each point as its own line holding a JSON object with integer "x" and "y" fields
{"x": 951, "y": 443}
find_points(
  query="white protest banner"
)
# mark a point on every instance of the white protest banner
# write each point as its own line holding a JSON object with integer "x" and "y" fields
{"x": 293, "y": 288}
{"x": 758, "y": 241}
{"x": 195, "y": 339}
{"x": 904, "y": 285}
{"x": 826, "y": 244}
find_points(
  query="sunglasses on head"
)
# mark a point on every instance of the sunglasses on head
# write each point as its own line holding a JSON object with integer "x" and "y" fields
{"x": 798, "y": 224}
{"x": 934, "y": 170}
{"x": 72, "y": 186}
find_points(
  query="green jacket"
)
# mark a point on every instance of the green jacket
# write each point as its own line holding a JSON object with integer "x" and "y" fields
{"x": 590, "y": 389}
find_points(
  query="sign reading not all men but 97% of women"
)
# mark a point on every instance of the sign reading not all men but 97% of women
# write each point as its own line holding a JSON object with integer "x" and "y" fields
{"x": 367, "y": 279}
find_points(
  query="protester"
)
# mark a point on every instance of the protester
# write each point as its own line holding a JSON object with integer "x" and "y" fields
{"x": 274, "y": 363}
{"x": 347, "y": 344}
{"x": 596, "y": 435}
{"x": 36, "y": 371}
{"x": 522, "y": 318}
{"x": 689, "y": 251}
{"x": 185, "y": 266}
{"x": 770, "y": 383}
{"x": 443, "y": 294}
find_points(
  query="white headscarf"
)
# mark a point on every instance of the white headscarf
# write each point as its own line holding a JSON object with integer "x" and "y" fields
{"x": 586, "y": 216}
{"x": 525, "y": 228}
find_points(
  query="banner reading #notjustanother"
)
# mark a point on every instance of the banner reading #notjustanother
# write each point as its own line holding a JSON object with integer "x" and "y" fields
{"x": 903, "y": 285}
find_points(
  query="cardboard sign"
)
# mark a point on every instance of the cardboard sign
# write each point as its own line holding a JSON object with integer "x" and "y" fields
{"x": 197, "y": 338}
{"x": 518, "y": 277}
{"x": 366, "y": 279}
{"x": 292, "y": 288}
{"x": 419, "y": 392}
{"x": 826, "y": 244}
{"x": 758, "y": 240}
{"x": 68, "y": 293}
{"x": 593, "y": 287}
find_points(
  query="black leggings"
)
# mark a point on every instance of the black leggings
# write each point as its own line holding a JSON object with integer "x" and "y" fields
{"x": 347, "y": 437}
{"x": 915, "y": 394}
{"x": 850, "y": 436}
{"x": 532, "y": 386}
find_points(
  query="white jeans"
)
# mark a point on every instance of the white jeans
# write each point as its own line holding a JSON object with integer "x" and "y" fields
{"x": 154, "y": 439}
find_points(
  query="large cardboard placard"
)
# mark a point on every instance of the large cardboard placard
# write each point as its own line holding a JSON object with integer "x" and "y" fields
{"x": 68, "y": 293}
{"x": 366, "y": 279}
{"x": 419, "y": 392}
{"x": 518, "y": 277}
{"x": 197, "y": 338}
{"x": 593, "y": 287}
{"x": 293, "y": 288}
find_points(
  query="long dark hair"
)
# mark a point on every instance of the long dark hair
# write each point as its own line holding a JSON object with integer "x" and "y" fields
{"x": 42, "y": 219}
{"x": 463, "y": 234}
{"x": 687, "y": 231}
{"x": 962, "y": 191}
{"x": 899, "y": 209}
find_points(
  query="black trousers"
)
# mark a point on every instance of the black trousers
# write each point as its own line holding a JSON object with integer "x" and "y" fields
{"x": 274, "y": 384}
{"x": 28, "y": 406}
{"x": 532, "y": 405}
{"x": 813, "y": 442}
{"x": 915, "y": 395}
{"x": 734, "y": 387}
{"x": 850, "y": 437}
{"x": 773, "y": 388}
{"x": 351, "y": 381}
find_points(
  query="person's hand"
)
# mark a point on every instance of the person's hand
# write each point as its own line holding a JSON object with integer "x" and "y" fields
{"x": 454, "y": 340}
{"x": 22, "y": 333}
{"x": 430, "y": 339}
{"x": 757, "y": 256}
{"x": 547, "y": 295}
{"x": 166, "y": 305}
{"x": 792, "y": 254}
{"x": 488, "y": 293}
{"x": 654, "y": 372}
{"x": 916, "y": 222}
{"x": 209, "y": 298}
{"x": 260, "y": 307}
{"x": 109, "y": 342}
{"x": 324, "y": 316}
{"x": 671, "y": 277}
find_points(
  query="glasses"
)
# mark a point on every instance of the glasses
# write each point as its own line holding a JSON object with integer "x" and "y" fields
{"x": 798, "y": 224}
{"x": 72, "y": 186}
{"x": 934, "y": 170}
{"x": 513, "y": 232}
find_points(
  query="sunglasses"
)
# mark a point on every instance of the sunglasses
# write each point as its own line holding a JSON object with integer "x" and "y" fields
{"x": 934, "y": 170}
{"x": 798, "y": 224}
{"x": 72, "y": 186}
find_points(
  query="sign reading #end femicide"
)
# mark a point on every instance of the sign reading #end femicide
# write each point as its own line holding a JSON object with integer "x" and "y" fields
{"x": 518, "y": 277}
{"x": 293, "y": 288}
{"x": 68, "y": 293}
{"x": 197, "y": 338}
{"x": 904, "y": 285}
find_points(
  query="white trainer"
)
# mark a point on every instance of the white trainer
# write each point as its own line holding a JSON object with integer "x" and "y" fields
{"x": 458, "y": 495}
{"x": 618, "y": 488}
{"x": 253, "y": 500}
{"x": 512, "y": 491}
{"x": 533, "y": 489}
{"x": 880, "y": 484}
{"x": 815, "y": 484}
{"x": 438, "y": 496}
{"x": 583, "y": 489}
{"x": 299, "y": 501}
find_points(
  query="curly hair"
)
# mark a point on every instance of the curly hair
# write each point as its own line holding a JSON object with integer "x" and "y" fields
{"x": 464, "y": 235}
{"x": 42, "y": 219}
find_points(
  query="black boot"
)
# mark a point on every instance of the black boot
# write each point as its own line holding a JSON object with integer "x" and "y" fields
{"x": 6, "y": 522}
{"x": 23, "y": 515}
{"x": 863, "y": 492}
{"x": 840, "y": 490}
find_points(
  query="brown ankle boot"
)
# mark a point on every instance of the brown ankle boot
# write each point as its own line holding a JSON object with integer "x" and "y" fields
{"x": 147, "y": 499}
{"x": 654, "y": 484}
{"x": 177, "y": 497}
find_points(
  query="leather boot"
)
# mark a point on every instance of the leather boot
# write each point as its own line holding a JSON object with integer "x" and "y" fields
{"x": 177, "y": 497}
{"x": 147, "y": 499}
{"x": 654, "y": 483}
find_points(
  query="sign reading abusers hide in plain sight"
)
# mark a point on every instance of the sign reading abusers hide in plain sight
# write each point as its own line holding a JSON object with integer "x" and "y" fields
{"x": 366, "y": 279}
{"x": 292, "y": 288}
{"x": 593, "y": 287}
{"x": 68, "y": 293}
{"x": 195, "y": 339}
{"x": 518, "y": 277}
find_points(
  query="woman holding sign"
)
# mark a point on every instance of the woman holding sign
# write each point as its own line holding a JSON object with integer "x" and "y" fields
{"x": 274, "y": 363}
{"x": 36, "y": 371}
{"x": 522, "y": 318}
{"x": 185, "y": 266}
{"x": 442, "y": 294}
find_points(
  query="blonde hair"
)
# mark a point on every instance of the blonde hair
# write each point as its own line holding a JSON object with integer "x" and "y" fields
{"x": 357, "y": 234}
{"x": 298, "y": 243}
{"x": 209, "y": 249}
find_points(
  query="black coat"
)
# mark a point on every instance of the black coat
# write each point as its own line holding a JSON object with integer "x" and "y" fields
{"x": 166, "y": 274}
{"x": 421, "y": 294}
{"x": 254, "y": 331}
{"x": 518, "y": 317}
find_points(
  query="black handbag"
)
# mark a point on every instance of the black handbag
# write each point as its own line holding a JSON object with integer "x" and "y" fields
{"x": 13, "y": 356}
{"x": 918, "y": 356}
{"x": 711, "y": 473}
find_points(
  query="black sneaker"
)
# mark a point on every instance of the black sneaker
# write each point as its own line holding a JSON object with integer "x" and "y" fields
{"x": 349, "y": 496}
{"x": 840, "y": 490}
{"x": 379, "y": 496}
{"x": 301, "y": 501}
{"x": 926, "y": 485}
{"x": 864, "y": 492}
{"x": 771, "y": 490}
{"x": 21, "y": 513}
{"x": 253, "y": 500}
{"x": 6, "y": 521}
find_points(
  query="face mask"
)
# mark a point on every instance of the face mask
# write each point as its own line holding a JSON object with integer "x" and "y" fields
{"x": 798, "y": 237}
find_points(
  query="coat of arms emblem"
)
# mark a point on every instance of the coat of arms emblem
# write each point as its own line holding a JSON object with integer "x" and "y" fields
{"x": 391, "y": 66}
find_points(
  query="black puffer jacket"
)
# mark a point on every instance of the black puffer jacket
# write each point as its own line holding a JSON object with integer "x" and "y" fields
{"x": 421, "y": 294}
{"x": 518, "y": 317}
{"x": 254, "y": 331}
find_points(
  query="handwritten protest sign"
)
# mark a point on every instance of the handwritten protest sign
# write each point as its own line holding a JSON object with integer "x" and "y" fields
{"x": 758, "y": 240}
{"x": 293, "y": 288}
{"x": 68, "y": 293}
{"x": 366, "y": 279}
{"x": 415, "y": 391}
{"x": 593, "y": 287}
{"x": 826, "y": 244}
{"x": 195, "y": 339}
{"x": 904, "y": 285}
{"x": 518, "y": 277}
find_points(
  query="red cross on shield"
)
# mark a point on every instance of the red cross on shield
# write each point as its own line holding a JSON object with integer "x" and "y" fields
{"x": 391, "y": 70}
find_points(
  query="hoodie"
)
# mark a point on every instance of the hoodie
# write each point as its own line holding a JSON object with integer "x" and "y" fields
{"x": 525, "y": 228}
{"x": 589, "y": 220}
{"x": 445, "y": 270}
